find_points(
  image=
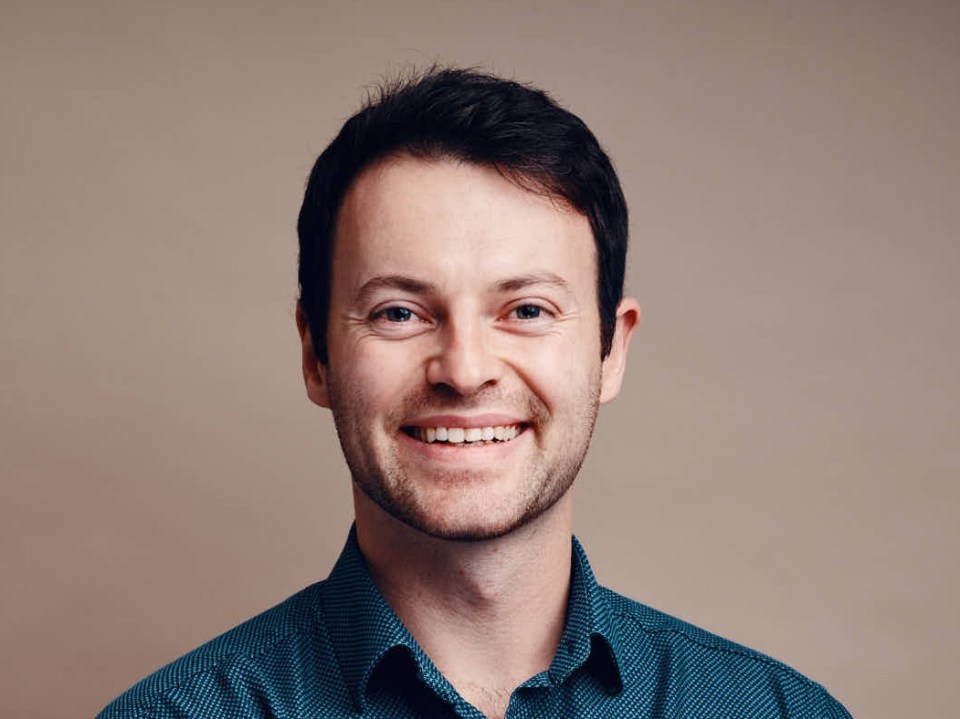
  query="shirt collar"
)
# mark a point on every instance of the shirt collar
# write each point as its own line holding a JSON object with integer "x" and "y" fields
{"x": 364, "y": 629}
{"x": 590, "y": 638}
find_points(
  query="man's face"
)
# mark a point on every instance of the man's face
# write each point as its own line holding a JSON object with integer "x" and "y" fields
{"x": 464, "y": 370}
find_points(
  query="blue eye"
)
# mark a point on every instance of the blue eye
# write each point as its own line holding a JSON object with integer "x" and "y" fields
{"x": 396, "y": 314}
{"x": 528, "y": 312}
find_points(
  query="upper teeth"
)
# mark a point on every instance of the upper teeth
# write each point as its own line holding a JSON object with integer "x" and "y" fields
{"x": 459, "y": 435}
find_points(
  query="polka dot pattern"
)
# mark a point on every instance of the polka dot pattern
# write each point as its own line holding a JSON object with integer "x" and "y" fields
{"x": 336, "y": 649}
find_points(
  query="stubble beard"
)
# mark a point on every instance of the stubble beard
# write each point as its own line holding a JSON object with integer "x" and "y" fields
{"x": 394, "y": 488}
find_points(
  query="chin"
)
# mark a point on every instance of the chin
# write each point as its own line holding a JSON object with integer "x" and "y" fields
{"x": 465, "y": 532}
{"x": 461, "y": 524}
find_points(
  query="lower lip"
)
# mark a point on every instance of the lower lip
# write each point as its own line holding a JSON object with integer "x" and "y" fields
{"x": 462, "y": 453}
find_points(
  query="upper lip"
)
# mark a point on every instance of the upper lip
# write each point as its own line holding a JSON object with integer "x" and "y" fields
{"x": 452, "y": 420}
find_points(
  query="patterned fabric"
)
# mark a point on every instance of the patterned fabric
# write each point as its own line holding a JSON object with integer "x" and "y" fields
{"x": 336, "y": 649}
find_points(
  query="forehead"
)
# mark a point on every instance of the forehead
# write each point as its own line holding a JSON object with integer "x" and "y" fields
{"x": 444, "y": 216}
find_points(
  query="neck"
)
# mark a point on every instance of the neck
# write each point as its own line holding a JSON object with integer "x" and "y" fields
{"x": 489, "y": 614}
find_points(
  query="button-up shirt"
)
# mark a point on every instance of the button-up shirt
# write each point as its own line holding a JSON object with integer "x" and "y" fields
{"x": 336, "y": 649}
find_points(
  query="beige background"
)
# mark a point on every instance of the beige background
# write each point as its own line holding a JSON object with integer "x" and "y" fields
{"x": 782, "y": 466}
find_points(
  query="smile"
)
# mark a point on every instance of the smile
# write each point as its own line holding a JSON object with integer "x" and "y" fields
{"x": 465, "y": 435}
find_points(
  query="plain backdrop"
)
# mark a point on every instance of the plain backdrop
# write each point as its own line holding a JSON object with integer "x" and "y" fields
{"x": 781, "y": 468}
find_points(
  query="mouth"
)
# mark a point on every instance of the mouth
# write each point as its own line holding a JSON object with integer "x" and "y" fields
{"x": 465, "y": 435}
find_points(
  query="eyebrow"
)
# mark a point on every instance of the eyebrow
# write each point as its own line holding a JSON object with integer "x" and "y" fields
{"x": 394, "y": 282}
{"x": 415, "y": 286}
{"x": 522, "y": 282}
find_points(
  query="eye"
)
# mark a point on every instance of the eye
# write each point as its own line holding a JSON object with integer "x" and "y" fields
{"x": 527, "y": 312}
{"x": 530, "y": 317}
{"x": 394, "y": 314}
{"x": 398, "y": 321}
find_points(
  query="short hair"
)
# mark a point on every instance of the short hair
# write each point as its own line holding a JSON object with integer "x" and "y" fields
{"x": 477, "y": 118}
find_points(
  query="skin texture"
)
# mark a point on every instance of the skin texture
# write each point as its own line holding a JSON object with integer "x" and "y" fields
{"x": 460, "y": 299}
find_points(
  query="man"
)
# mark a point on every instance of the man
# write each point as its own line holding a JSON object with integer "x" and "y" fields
{"x": 463, "y": 242}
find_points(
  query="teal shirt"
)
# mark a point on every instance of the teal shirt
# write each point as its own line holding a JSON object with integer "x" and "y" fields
{"x": 336, "y": 649}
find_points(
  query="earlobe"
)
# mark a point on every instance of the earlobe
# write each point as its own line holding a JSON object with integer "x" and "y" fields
{"x": 314, "y": 372}
{"x": 615, "y": 363}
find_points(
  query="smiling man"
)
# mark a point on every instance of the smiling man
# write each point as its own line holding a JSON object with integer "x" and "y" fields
{"x": 463, "y": 350}
{"x": 463, "y": 242}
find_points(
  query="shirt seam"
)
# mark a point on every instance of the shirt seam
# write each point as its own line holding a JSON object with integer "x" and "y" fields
{"x": 733, "y": 650}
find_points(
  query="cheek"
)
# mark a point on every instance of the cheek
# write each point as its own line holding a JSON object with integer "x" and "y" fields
{"x": 376, "y": 375}
{"x": 561, "y": 374}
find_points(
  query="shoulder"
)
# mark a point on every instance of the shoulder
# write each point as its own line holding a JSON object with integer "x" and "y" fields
{"x": 696, "y": 668}
{"x": 223, "y": 676}
{"x": 656, "y": 628}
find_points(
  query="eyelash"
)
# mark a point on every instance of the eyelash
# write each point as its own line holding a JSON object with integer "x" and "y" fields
{"x": 539, "y": 309}
{"x": 386, "y": 311}
{"x": 402, "y": 318}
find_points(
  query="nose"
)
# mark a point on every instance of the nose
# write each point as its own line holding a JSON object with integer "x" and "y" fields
{"x": 464, "y": 360}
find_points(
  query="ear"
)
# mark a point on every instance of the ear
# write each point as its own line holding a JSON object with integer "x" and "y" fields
{"x": 314, "y": 373}
{"x": 614, "y": 364}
